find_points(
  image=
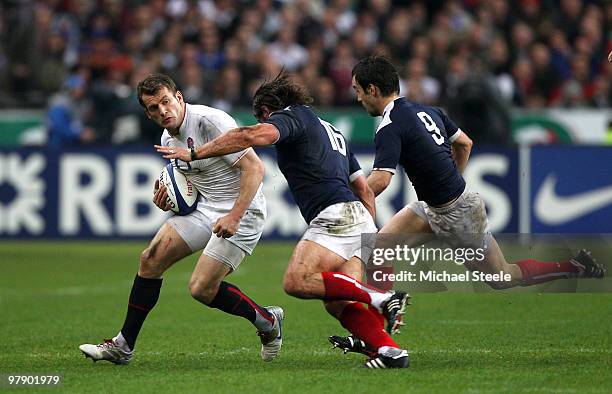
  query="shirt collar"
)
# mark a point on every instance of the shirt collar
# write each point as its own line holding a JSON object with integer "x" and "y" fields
{"x": 389, "y": 106}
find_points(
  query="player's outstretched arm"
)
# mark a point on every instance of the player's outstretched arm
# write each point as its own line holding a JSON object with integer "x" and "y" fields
{"x": 233, "y": 141}
{"x": 360, "y": 187}
{"x": 251, "y": 176}
{"x": 379, "y": 180}
{"x": 461, "y": 149}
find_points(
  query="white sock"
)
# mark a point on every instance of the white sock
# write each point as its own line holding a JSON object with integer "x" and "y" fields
{"x": 121, "y": 342}
{"x": 261, "y": 323}
{"x": 376, "y": 298}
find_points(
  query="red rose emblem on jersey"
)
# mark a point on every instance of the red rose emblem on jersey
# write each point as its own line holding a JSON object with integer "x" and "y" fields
{"x": 190, "y": 142}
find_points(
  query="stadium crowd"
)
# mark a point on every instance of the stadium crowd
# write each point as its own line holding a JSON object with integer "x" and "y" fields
{"x": 84, "y": 57}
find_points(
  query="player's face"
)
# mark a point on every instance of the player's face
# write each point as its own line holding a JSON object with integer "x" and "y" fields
{"x": 366, "y": 99}
{"x": 164, "y": 108}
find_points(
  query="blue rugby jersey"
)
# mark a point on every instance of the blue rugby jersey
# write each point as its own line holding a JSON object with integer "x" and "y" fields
{"x": 315, "y": 159}
{"x": 419, "y": 137}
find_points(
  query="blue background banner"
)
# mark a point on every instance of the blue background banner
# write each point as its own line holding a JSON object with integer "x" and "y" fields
{"x": 106, "y": 192}
{"x": 571, "y": 189}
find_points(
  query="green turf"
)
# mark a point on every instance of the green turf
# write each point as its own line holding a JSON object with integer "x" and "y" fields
{"x": 55, "y": 296}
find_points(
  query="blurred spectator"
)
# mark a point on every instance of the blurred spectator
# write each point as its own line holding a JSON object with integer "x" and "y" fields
{"x": 499, "y": 64}
{"x": 440, "y": 46}
{"x": 324, "y": 93}
{"x": 522, "y": 37}
{"x": 420, "y": 49}
{"x": 169, "y": 48}
{"x": 28, "y": 26}
{"x": 501, "y": 14}
{"x": 416, "y": 85}
{"x": 340, "y": 71}
{"x": 286, "y": 52}
{"x": 211, "y": 56}
{"x": 362, "y": 40}
{"x": 228, "y": 89}
{"x": 51, "y": 70}
{"x": 602, "y": 95}
{"x": 309, "y": 14}
{"x": 459, "y": 19}
{"x": 561, "y": 53}
{"x": 346, "y": 18}
{"x": 222, "y": 12}
{"x": 456, "y": 73}
{"x": 522, "y": 73}
{"x": 397, "y": 35}
{"x": 480, "y": 109}
{"x": 191, "y": 82}
{"x": 578, "y": 90}
{"x": 529, "y": 11}
{"x": 545, "y": 78}
{"x": 109, "y": 97}
{"x": 568, "y": 18}
{"x": 67, "y": 113}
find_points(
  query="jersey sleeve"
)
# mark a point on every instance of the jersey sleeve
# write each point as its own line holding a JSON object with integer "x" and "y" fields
{"x": 452, "y": 130}
{"x": 355, "y": 170}
{"x": 388, "y": 149}
{"x": 222, "y": 123}
{"x": 288, "y": 125}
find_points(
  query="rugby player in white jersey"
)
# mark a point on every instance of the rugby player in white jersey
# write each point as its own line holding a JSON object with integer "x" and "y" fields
{"x": 227, "y": 224}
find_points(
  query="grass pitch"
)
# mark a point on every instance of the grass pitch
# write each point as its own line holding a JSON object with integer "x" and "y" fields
{"x": 55, "y": 296}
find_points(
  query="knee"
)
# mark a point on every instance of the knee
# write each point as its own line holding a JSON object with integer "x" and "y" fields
{"x": 150, "y": 266}
{"x": 293, "y": 284}
{"x": 203, "y": 290}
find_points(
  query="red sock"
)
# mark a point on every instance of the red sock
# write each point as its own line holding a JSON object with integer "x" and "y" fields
{"x": 339, "y": 286}
{"x": 365, "y": 326}
{"x": 379, "y": 316}
{"x": 535, "y": 271}
{"x": 382, "y": 284}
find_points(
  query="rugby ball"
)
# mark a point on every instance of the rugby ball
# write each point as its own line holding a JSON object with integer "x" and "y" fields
{"x": 182, "y": 194}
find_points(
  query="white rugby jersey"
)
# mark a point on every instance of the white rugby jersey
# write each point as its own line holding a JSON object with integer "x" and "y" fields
{"x": 216, "y": 178}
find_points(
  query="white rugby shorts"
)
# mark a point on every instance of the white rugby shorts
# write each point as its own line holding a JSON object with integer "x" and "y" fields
{"x": 463, "y": 223}
{"x": 196, "y": 230}
{"x": 339, "y": 228}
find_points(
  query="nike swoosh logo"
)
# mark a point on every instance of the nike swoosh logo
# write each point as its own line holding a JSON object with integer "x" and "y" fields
{"x": 552, "y": 209}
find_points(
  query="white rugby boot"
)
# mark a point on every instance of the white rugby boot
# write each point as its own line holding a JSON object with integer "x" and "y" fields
{"x": 114, "y": 350}
{"x": 271, "y": 341}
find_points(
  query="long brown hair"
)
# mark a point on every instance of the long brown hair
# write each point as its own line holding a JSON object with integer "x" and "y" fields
{"x": 279, "y": 93}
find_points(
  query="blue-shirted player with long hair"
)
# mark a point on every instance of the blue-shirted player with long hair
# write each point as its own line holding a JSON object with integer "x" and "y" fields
{"x": 334, "y": 198}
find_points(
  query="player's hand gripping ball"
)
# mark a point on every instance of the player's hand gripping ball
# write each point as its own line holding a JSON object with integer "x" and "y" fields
{"x": 182, "y": 194}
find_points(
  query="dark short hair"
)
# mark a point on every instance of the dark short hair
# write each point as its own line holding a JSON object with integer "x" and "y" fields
{"x": 377, "y": 70}
{"x": 279, "y": 93}
{"x": 152, "y": 84}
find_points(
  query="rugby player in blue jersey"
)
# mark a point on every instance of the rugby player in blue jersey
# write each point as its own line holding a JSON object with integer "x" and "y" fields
{"x": 434, "y": 152}
{"x": 334, "y": 199}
